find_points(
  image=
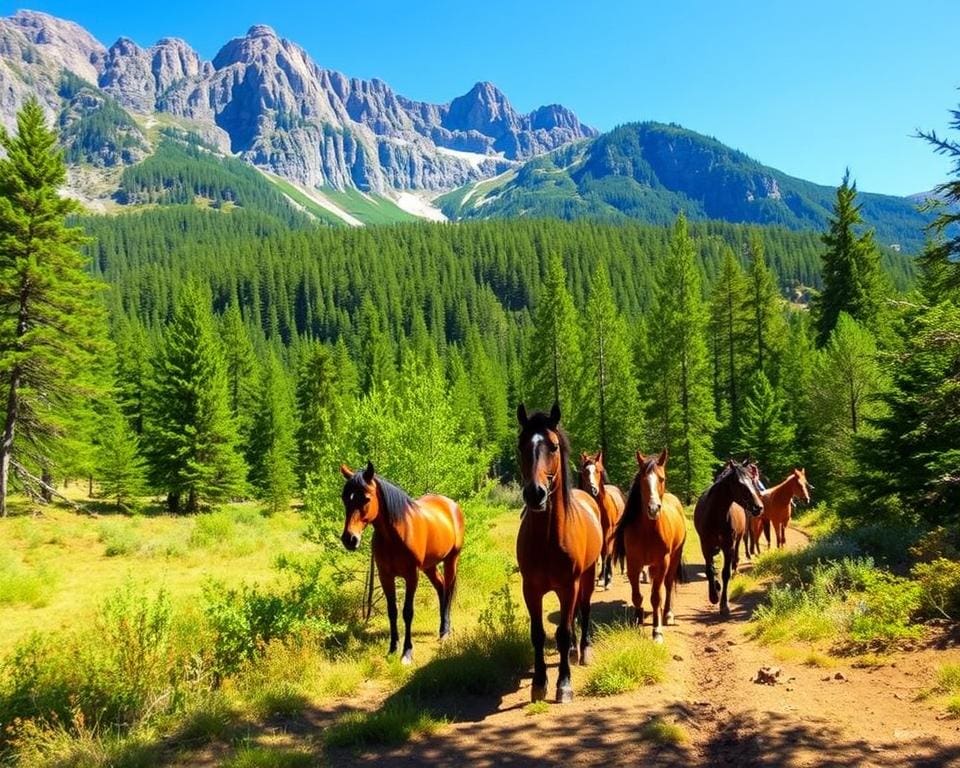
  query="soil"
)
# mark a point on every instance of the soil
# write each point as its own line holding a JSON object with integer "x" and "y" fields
{"x": 809, "y": 716}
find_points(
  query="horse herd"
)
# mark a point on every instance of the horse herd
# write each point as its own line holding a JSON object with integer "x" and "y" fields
{"x": 565, "y": 533}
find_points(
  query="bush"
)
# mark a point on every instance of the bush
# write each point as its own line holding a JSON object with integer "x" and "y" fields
{"x": 937, "y": 544}
{"x": 882, "y": 615}
{"x": 939, "y": 582}
{"x": 118, "y": 537}
{"x": 792, "y": 613}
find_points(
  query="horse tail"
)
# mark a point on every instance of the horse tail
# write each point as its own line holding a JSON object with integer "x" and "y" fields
{"x": 681, "y": 571}
{"x": 619, "y": 547}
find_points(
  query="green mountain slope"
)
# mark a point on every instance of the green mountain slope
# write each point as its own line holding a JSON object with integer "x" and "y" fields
{"x": 651, "y": 171}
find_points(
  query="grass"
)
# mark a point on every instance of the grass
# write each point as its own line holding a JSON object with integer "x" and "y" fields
{"x": 536, "y": 708}
{"x": 661, "y": 731}
{"x": 270, "y": 757}
{"x": 624, "y": 661}
{"x": 24, "y": 585}
{"x": 396, "y": 722}
{"x": 370, "y": 209}
{"x": 948, "y": 678}
{"x": 302, "y": 199}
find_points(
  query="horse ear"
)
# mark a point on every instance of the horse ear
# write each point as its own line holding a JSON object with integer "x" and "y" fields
{"x": 369, "y": 472}
{"x": 555, "y": 414}
{"x": 599, "y": 458}
{"x": 641, "y": 459}
{"x": 346, "y": 471}
{"x": 662, "y": 458}
{"x": 522, "y": 415}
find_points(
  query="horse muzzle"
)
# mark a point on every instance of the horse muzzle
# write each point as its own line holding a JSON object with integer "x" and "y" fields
{"x": 653, "y": 512}
{"x": 350, "y": 540}
{"x": 535, "y": 497}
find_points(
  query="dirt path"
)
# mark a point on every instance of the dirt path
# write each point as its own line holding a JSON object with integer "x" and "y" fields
{"x": 811, "y": 717}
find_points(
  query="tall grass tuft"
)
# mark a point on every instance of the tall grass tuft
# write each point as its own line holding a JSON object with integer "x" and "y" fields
{"x": 394, "y": 723}
{"x": 624, "y": 661}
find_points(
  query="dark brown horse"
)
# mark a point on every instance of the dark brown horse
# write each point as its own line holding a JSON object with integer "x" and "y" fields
{"x": 558, "y": 544}
{"x": 611, "y": 502}
{"x": 651, "y": 532}
{"x": 408, "y": 537}
{"x": 720, "y": 520}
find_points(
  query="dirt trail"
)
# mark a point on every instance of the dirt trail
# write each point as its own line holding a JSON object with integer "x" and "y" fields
{"x": 864, "y": 717}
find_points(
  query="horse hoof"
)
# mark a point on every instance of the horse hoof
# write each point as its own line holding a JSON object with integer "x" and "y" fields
{"x": 538, "y": 692}
{"x": 586, "y": 657}
{"x": 407, "y": 658}
{"x": 724, "y": 610}
{"x": 658, "y": 637}
{"x": 564, "y": 694}
{"x": 714, "y": 599}
{"x": 670, "y": 620}
{"x": 573, "y": 655}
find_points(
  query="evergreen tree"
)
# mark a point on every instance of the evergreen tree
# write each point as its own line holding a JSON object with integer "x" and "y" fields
{"x": 943, "y": 257}
{"x": 273, "y": 439}
{"x": 132, "y": 371}
{"x": 51, "y": 325}
{"x": 554, "y": 354}
{"x": 321, "y": 411}
{"x": 764, "y": 433}
{"x": 852, "y": 278}
{"x": 612, "y": 410}
{"x": 682, "y": 413}
{"x": 490, "y": 388}
{"x": 845, "y": 386}
{"x": 191, "y": 437}
{"x": 728, "y": 331}
{"x": 243, "y": 387}
{"x": 119, "y": 465}
{"x": 766, "y": 326}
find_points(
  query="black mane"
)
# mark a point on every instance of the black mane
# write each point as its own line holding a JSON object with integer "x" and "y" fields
{"x": 538, "y": 423}
{"x": 394, "y": 501}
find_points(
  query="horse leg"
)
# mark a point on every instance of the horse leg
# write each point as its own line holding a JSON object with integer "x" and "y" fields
{"x": 713, "y": 585}
{"x": 568, "y": 609}
{"x": 389, "y": 587}
{"x": 534, "y": 601}
{"x": 644, "y": 575}
{"x": 434, "y": 578}
{"x": 673, "y": 566}
{"x": 408, "y": 595}
{"x": 736, "y": 553}
{"x": 657, "y": 572}
{"x": 607, "y": 565}
{"x": 449, "y": 589}
{"x": 586, "y": 638}
{"x": 633, "y": 574}
{"x": 728, "y": 558}
{"x": 766, "y": 533}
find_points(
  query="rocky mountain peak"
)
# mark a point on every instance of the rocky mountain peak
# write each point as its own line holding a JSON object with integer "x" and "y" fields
{"x": 62, "y": 42}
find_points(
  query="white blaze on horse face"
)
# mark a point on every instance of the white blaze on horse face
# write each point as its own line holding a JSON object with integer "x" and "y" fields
{"x": 653, "y": 484}
{"x": 594, "y": 483}
{"x": 535, "y": 441}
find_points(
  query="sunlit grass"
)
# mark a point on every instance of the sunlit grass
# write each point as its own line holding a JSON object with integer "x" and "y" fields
{"x": 536, "y": 708}
{"x": 394, "y": 723}
{"x": 624, "y": 661}
{"x": 662, "y": 731}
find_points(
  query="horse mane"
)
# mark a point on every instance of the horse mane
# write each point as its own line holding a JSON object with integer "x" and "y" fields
{"x": 632, "y": 509}
{"x": 604, "y": 477}
{"x": 394, "y": 501}
{"x": 538, "y": 423}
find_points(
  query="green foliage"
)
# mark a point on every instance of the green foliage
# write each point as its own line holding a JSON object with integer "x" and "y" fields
{"x": 764, "y": 433}
{"x": 766, "y": 326}
{"x": 51, "y": 325}
{"x": 939, "y": 582}
{"x": 191, "y": 436}
{"x": 94, "y": 128}
{"x": 322, "y": 411}
{"x": 270, "y": 757}
{"x": 677, "y": 372}
{"x": 243, "y": 384}
{"x": 852, "y": 278}
{"x": 943, "y": 256}
{"x": 273, "y": 443}
{"x": 22, "y": 584}
{"x": 394, "y": 723}
{"x": 624, "y": 661}
{"x": 119, "y": 466}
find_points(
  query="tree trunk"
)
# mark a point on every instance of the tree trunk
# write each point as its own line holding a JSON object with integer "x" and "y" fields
{"x": 46, "y": 489}
{"x": 6, "y": 446}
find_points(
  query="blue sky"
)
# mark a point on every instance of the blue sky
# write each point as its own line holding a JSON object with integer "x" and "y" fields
{"x": 808, "y": 87}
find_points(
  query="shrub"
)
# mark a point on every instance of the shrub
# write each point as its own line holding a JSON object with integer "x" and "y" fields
{"x": 936, "y": 544}
{"x": 118, "y": 537}
{"x": 792, "y": 613}
{"x": 883, "y": 612}
{"x": 939, "y": 582}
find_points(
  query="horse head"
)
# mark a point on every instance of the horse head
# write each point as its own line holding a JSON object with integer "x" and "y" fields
{"x": 802, "y": 487}
{"x": 653, "y": 481}
{"x": 543, "y": 450}
{"x": 743, "y": 486}
{"x": 360, "y": 501}
{"x": 593, "y": 474}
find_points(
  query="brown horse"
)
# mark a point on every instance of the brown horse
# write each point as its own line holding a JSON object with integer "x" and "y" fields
{"x": 652, "y": 532}
{"x": 558, "y": 544}
{"x": 778, "y": 507}
{"x": 718, "y": 518}
{"x": 610, "y": 501}
{"x": 408, "y": 537}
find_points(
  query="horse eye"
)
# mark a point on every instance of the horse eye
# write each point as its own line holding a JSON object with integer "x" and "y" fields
{"x": 554, "y": 447}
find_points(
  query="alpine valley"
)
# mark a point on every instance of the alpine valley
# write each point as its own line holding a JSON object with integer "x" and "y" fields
{"x": 144, "y": 126}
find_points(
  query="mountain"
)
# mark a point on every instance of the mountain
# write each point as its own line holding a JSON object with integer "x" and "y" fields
{"x": 264, "y": 100}
{"x": 651, "y": 171}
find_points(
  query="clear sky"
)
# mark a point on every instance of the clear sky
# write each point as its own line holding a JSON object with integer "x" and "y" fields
{"x": 807, "y": 86}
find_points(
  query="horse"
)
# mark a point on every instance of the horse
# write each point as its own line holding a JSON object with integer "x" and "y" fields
{"x": 652, "y": 532}
{"x": 610, "y": 501}
{"x": 778, "y": 506}
{"x": 719, "y": 518}
{"x": 558, "y": 544}
{"x": 408, "y": 537}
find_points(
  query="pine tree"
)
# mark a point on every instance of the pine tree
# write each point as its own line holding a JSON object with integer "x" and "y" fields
{"x": 119, "y": 465}
{"x": 321, "y": 412}
{"x": 852, "y": 278}
{"x": 243, "y": 386}
{"x": 943, "y": 256}
{"x": 190, "y": 436}
{"x": 764, "y": 433}
{"x": 612, "y": 411}
{"x": 764, "y": 306}
{"x": 682, "y": 412}
{"x": 554, "y": 353}
{"x": 728, "y": 329}
{"x": 273, "y": 439}
{"x": 51, "y": 325}
{"x": 132, "y": 371}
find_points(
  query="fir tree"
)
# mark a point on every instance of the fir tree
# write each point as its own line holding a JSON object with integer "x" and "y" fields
{"x": 852, "y": 278}
{"x": 51, "y": 325}
{"x": 132, "y": 371}
{"x": 242, "y": 380}
{"x": 764, "y": 433}
{"x": 320, "y": 407}
{"x": 682, "y": 412}
{"x": 554, "y": 354}
{"x": 764, "y": 306}
{"x": 273, "y": 445}
{"x": 191, "y": 437}
{"x": 942, "y": 258}
{"x": 119, "y": 465}
{"x": 613, "y": 418}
